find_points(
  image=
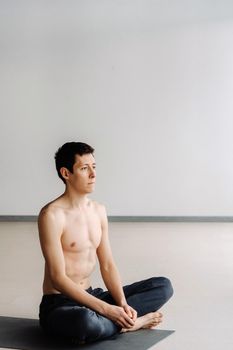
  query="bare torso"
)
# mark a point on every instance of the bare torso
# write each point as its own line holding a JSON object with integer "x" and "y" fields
{"x": 80, "y": 238}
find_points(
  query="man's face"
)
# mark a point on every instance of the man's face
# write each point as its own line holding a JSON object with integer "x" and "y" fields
{"x": 84, "y": 173}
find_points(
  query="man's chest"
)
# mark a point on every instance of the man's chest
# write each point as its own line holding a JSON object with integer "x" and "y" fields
{"x": 81, "y": 233}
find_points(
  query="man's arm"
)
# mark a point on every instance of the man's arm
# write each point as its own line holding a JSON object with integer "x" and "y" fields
{"x": 109, "y": 270}
{"x": 51, "y": 225}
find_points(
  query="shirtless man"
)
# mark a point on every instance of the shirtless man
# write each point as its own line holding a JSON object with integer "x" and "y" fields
{"x": 74, "y": 232}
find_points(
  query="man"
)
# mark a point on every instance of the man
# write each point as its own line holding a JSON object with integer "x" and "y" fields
{"x": 74, "y": 232}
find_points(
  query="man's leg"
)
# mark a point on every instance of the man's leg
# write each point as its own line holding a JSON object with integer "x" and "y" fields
{"x": 80, "y": 324}
{"x": 63, "y": 317}
{"x": 148, "y": 295}
{"x": 145, "y": 296}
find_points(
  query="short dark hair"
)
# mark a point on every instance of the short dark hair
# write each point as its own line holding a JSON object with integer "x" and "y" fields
{"x": 65, "y": 155}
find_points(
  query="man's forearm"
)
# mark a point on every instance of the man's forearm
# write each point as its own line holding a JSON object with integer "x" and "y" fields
{"x": 113, "y": 283}
{"x": 67, "y": 287}
{"x": 116, "y": 313}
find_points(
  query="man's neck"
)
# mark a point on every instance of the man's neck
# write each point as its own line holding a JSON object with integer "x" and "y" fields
{"x": 76, "y": 200}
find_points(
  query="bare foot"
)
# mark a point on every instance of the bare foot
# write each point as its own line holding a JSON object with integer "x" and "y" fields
{"x": 150, "y": 321}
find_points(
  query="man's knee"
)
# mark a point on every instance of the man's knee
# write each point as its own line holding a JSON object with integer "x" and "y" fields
{"x": 93, "y": 326}
{"x": 88, "y": 327}
{"x": 165, "y": 286}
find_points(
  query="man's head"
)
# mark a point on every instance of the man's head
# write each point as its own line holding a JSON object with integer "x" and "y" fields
{"x": 67, "y": 156}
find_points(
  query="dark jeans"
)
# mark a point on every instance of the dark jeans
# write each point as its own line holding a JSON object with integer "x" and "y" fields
{"x": 62, "y": 316}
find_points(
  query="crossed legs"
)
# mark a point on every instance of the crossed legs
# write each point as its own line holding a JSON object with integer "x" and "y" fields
{"x": 74, "y": 321}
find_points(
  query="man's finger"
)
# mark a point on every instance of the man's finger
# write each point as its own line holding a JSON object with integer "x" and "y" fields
{"x": 135, "y": 314}
{"x": 128, "y": 311}
{"x": 129, "y": 322}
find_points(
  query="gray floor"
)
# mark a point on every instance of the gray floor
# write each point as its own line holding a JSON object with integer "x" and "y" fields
{"x": 197, "y": 257}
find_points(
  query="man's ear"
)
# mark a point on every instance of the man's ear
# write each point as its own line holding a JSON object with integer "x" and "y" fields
{"x": 65, "y": 173}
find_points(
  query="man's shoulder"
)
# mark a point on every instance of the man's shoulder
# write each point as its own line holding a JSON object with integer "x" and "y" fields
{"x": 99, "y": 207}
{"x": 51, "y": 210}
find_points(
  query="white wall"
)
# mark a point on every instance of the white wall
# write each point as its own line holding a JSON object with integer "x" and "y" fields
{"x": 147, "y": 83}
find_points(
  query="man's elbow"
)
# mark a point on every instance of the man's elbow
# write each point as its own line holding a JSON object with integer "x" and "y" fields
{"x": 58, "y": 281}
{"x": 107, "y": 267}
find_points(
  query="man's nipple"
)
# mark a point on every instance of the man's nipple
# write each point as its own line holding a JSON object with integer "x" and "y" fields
{"x": 73, "y": 244}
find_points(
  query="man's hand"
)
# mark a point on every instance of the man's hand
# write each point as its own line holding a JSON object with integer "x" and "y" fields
{"x": 130, "y": 312}
{"x": 119, "y": 315}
